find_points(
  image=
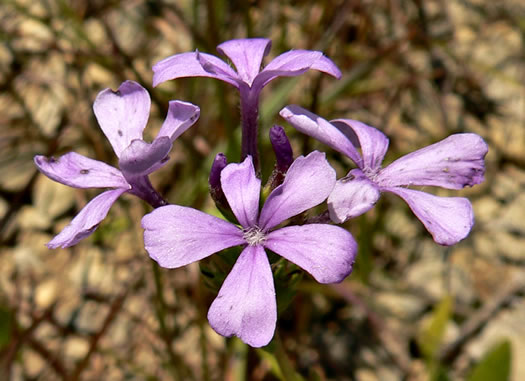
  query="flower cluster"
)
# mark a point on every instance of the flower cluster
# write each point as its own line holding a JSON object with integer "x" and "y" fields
{"x": 175, "y": 235}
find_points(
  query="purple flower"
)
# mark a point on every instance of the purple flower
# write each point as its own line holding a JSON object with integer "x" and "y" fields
{"x": 175, "y": 236}
{"x": 453, "y": 163}
{"x": 247, "y": 56}
{"x": 122, "y": 115}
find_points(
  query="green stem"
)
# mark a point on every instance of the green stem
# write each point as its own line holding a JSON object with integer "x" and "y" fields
{"x": 285, "y": 364}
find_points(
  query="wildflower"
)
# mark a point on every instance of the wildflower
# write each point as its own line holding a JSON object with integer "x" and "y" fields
{"x": 175, "y": 236}
{"x": 249, "y": 79}
{"x": 453, "y": 163}
{"x": 122, "y": 115}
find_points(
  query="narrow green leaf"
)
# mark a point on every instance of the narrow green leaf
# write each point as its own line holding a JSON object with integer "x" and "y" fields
{"x": 439, "y": 374}
{"x": 431, "y": 336}
{"x": 494, "y": 365}
{"x": 272, "y": 362}
{"x": 280, "y": 364}
{"x": 5, "y": 326}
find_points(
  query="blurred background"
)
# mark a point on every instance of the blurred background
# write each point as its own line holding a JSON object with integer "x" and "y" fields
{"x": 412, "y": 310}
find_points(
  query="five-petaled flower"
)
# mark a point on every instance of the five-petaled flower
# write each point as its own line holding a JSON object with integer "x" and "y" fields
{"x": 453, "y": 163}
{"x": 247, "y": 55}
{"x": 249, "y": 79}
{"x": 175, "y": 236}
{"x": 122, "y": 115}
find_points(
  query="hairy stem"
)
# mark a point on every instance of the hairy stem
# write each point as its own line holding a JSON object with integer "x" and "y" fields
{"x": 250, "y": 130}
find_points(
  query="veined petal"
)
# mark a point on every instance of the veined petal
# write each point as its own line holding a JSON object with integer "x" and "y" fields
{"x": 175, "y": 236}
{"x": 327, "y": 252}
{"x": 308, "y": 183}
{"x": 373, "y": 142}
{"x": 242, "y": 190}
{"x": 141, "y": 158}
{"x": 453, "y": 163}
{"x": 193, "y": 64}
{"x": 181, "y": 116}
{"x": 294, "y": 63}
{"x": 87, "y": 220}
{"x": 352, "y": 196}
{"x": 448, "y": 219}
{"x": 318, "y": 128}
{"x": 247, "y": 55}
{"x": 79, "y": 171}
{"x": 246, "y": 305}
{"x": 122, "y": 114}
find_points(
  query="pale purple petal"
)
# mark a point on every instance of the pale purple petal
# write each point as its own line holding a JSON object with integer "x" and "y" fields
{"x": 448, "y": 219}
{"x": 318, "y": 128}
{"x": 246, "y": 305}
{"x": 188, "y": 65}
{"x": 247, "y": 55}
{"x": 327, "y": 252}
{"x": 175, "y": 236}
{"x": 242, "y": 190}
{"x": 87, "y": 220}
{"x": 221, "y": 71}
{"x": 294, "y": 63}
{"x": 123, "y": 114}
{"x": 141, "y": 158}
{"x": 373, "y": 142}
{"x": 79, "y": 171}
{"x": 352, "y": 196}
{"x": 181, "y": 116}
{"x": 308, "y": 183}
{"x": 326, "y": 65}
{"x": 453, "y": 163}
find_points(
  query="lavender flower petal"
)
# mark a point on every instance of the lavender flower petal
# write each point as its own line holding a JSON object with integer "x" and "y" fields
{"x": 189, "y": 65}
{"x": 373, "y": 142}
{"x": 181, "y": 116}
{"x": 327, "y": 252}
{"x": 294, "y": 63}
{"x": 79, "y": 171}
{"x": 245, "y": 306}
{"x": 175, "y": 236}
{"x": 352, "y": 196}
{"x": 141, "y": 158}
{"x": 247, "y": 55}
{"x": 123, "y": 114}
{"x": 308, "y": 183}
{"x": 318, "y": 128}
{"x": 453, "y": 163}
{"x": 326, "y": 65}
{"x": 242, "y": 190}
{"x": 87, "y": 220}
{"x": 448, "y": 219}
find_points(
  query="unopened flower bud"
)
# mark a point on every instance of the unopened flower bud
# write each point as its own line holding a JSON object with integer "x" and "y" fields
{"x": 283, "y": 157}
{"x": 282, "y": 148}
{"x": 216, "y": 192}
{"x": 218, "y": 165}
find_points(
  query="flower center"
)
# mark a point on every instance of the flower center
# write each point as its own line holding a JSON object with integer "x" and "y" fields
{"x": 254, "y": 236}
{"x": 371, "y": 173}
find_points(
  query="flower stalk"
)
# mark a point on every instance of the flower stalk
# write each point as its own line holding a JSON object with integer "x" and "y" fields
{"x": 250, "y": 128}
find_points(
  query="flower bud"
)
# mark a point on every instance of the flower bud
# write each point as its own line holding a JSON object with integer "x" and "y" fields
{"x": 216, "y": 192}
{"x": 282, "y": 148}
